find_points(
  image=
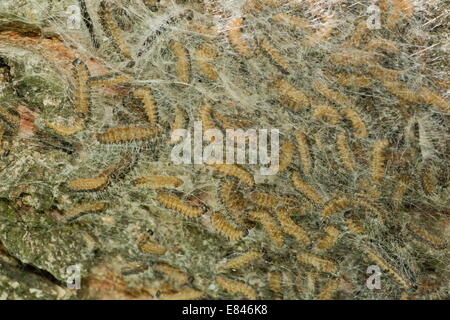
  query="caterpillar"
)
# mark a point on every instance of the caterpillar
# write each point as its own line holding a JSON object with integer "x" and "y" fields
{"x": 179, "y": 123}
{"x": 111, "y": 29}
{"x": 158, "y": 181}
{"x": 275, "y": 282}
{"x": 236, "y": 38}
{"x": 431, "y": 97}
{"x": 110, "y": 79}
{"x": 227, "y": 123}
{"x": 206, "y": 32}
{"x": 233, "y": 201}
{"x": 225, "y": 228}
{"x": 384, "y": 265}
{"x": 126, "y": 134}
{"x": 150, "y": 107}
{"x": 204, "y": 54}
{"x": 174, "y": 203}
{"x": 401, "y": 91}
{"x": 184, "y": 294}
{"x": 354, "y": 227}
{"x": 311, "y": 280}
{"x": 242, "y": 260}
{"x": 294, "y": 98}
{"x": 323, "y": 33}
{"x": 400, "y": 190}
{"x": 351, "y": 57}
{"x": 378, "y": 160}
{"x": 88, "y": 22}
{"x": 367, "y": 205}
{"x": 357, "y": 123}
{"x": 206, "y": 116}
{"x": 90, "y": 184}
{"x": 306, "y": 189}
{"x": 327, "y": 112}
{"x": 84, "y": 207}
{"x": 354, "y": 80}
{"x": 172, "y": 272}
{"x": 318, "y": 262}
{"x": 81, "y": 94}
{"x": 152, "y": 247}
{"x": 183, "y": 61}
{"x": 399, "y": 8}
{"x": 270, "y": 225}
{"x": 293, "y": 21}
{"x": 66, "y": 130}
{"x": 9, "y": 118}
{"x": 329, "y": 290}
{"x": 336, "y": 205}
{"x": 119, "y": 169}
{"x": 274, "y": 56}
{"x": 286, "y": 155}
{"x": 358, "y": 35}
{"x": 428, "y": 179}
{"x": 271, "y": 201}
{"x": 383, "y": 44}
{"x": 291, "y": 228}
{"x": 329, "y": 240}
{"x": 234, "y": 286}
{"x": 235, "y": 171}
{"x": 332, "y": 95}
{"x": 384, "y": 74}
{"x": 427, "y": 237}
{"x": 304, "y": 151}
{"x": 344, "y": 151}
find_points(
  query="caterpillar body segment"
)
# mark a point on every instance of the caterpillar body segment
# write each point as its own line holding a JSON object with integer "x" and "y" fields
{"x": 293, "y": 21}
{"x": 272, "y": 201}
{"x": 234, "y": 202}
{"x": 90, "y": 184}
{"x": 275, "y": 280}
{"x": 274, "y": 56}
{"x": 345, "y": 152}
{"x": 304, "y": 151}
{"x": 354, "y": 80}
{"x": 294, "y": 98}
{"x": 242, "y": 260}
{"x": 204, "y": 57}
{"x": 354, "y": 226}
{"x": 173, "y": 273}
{"x": 234, "y": 170}
{"x": 384, "y": 74}
{"x": 327, "y": 113}
{"x": 111, "y": 79}
{"x": 236, "y": 38}
{"x": 332, "y": 95}
{"x": 287, "y": 154}
{"x": 234, "y": 286}
{"x": 330, "y": 239}
{"x": 306, "y": 189}
{"x": 379, "y": 161}
{"x": 336, "y": 205}
{"x": 152, "y": 247}
{"x": 67, "y": 131}
{"x": 426, "y": 236}
{"x": 328, "y": 291}
{"x": 84, "y": 207}
{"x": 157, "y": 181}
{"x": 150, "y": 107}
{"x": 127, "y": 134}
{"x": 183, "y": 68}
{"x": 432, "y": 97}
{"x": 229, "y": 231}
{"x": 291, "y": 228}
{"x": 183, "y": 294}
{"x": 357, "y": 123}
{"x": 355, "y": 58}
{"x": 270, "y": 226}
{"x": 82, "y": 92}
{"x": 318, "y": 262}
{"x": 185, "y": 208}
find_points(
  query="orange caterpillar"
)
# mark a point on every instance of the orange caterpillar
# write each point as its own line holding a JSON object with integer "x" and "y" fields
{"x": 354, "y": 80}
{"x": 383, "y": 44}
{"x": 158, "y": 181}
{"x": 303, "y": 149}
{"x": 336, "y": 205}
{"x": 271, "y": 201}
{"x": 204, "y": 54}
{"x": 427, "y": 237}
{"x": 384, "y": 74}
{"x": 332, "y": 95}
{"x": 327, "y": 112}
{"x": 323, "y": 33}
{"x": 233, "y": 200}
{"x": 270, "y": 225}
{"x": 174, "y": 203}
{"x": 236, "y": 38}
{"x": 431, "y": 97}
{"x": 152, "y": 247}
{"x": 85, "y": 207}
{"x": 344, "y": 151}
{"x": 402, "y": 91}
{"x": 173, "y": 273}
{"x": 293, "y": 21}
{"x": 225, "y": 228}
{"x": 321, "y": 264}
{"x": 400, "y": 190}
{"x": 287, "y": 154}
{"x": 352, "y": 57}
{"x": 294, "y": 98}
{"x": 384, "y": 265}
{"x": 81, "y": 94}
{"x": 111, "y": 79}
{"x": 291, "y": 228}
{"x": 353, "y": 226}
{"x": 150, "y": 107}
{"x": 234, "y": 170}
{"x": 126, "y": 134}
{"x": 183, "y": 61}
{"x": 206, "y": 116}
{"x": 275, "y": 281}
{"x": 184, "y": 294}
{"x": 329, "y": 240}
{"x": 205, "y": 32}
{"x": 274, "y": 56}
{"x": 234, "y": 286}
{"x": 357, "y": 123}
{"x": 428, "y": 179}
{"x": 66, "y": 131}
{"x": 306, "y": 189}
{"x": 243, "y": 260}
{"x": 90, "y": 184}
{"x": 378, "y": 161}
{"x": 399, "y": 8}
{"x": 329, "y": 290}
{"x": 359, "y": 34}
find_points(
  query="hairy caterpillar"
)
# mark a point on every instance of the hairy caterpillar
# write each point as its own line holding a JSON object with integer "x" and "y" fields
{"x": 327, "y": 112}
{"x": 66, "y": 130}
{"x": 294, "y": 98}
{"x": 293, "y": 21}
{"x": 306, "y": 189}
{"x": 206, "y": 116}
{"x": 184, "y": 294}
{"x": 354, "y": 80}
{"x": 235, "y": 171}
{"x": 357, "y": 123}
{"x": 369, "y": 206}
{"x": 401, "y": 91}
{"x": 400, "y": 190}
{"x": 236, "y": 38}
{"x": 318, "y": 262}
{"x": 234, "y": 202}
{"x": 81, "y": 94}
{"x": 311, "y": 280}
{"x": 291, "y": 228}
{"x": 234, "y": 286}
{"x": 275, "y": 282}
{"x": 431, "y": 97}
{"x": 204, "y": 54}
{"x": 303, "y": 149}
{"x": 174, "y": 203}
{"x": 271, "y": 201}
{"x": 352, "y": 58}
{"x": 384, "y": 265}
{"x": 242, "y": 260}
{"x": 89, "y": 184}
{"x": 183, "y": 61}
{"x": 332, "y": 95}
{"x": 9, "y": 118}
{"x": 206, "y": 32}
{"x": 428, "y": 179}
{"x": 378, "y": 160}
{"x": 287, "y": 155}
{"x": 329, "y": 240}
{"x": 384, "y": 74}
{"x": 152, "y": 247}
{"x": 150, "y": 107}
{"x": 383, "y": 44}
{"x": 227, "y": 123}
{"x": 329, "y": 290}
{"x": 335, "y": 205}
{"x": 88, "y": 22}
{"x": 323, "y": 33}
{"x": 358, "y": 35}
{"x": 172, "y": 272}
{"x": 84, "y": 207}
{"x": 354, "y": 227}
{"x": 126, "y": 134}
{"x": 225, "y": 228}
{"x": 399, "y": 8}
{"x": 344, "y": 151}
{"x": 273, "y": 55}
{"x": 179, "y": 122}
{"x": 110, "y": 79}
{"x": 111, "y": 28}
{"x": 270, "y": 225}
{"x": 424, "y": 235}
{"x": 158, "y": 181}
